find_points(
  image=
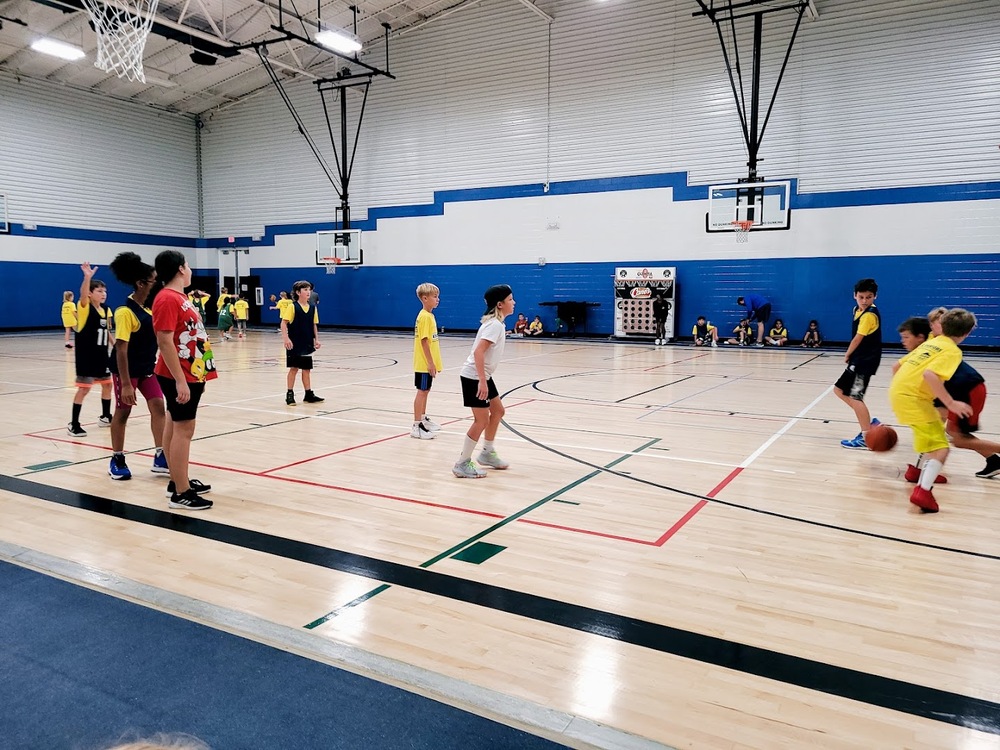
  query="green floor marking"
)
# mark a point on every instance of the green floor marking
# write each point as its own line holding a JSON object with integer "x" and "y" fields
{"x": 510, "y": 519}
{"x": 352, "y": 603}
{"x": 478, "y": 553}
{"x": 565, "y": 502}
{"x": 471, "y": 541}
{"x": 49, "y": 465}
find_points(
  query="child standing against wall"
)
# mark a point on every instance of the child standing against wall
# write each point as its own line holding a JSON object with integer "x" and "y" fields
{"x": 426, "y": 360}
{"x": 478, "y": 389}
{"x": 300, "y": 332}
{"x": 93, "y": 337}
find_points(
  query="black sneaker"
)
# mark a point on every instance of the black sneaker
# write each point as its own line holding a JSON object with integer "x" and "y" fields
{"x": 189, "y": 500}
{"x": 312, "y": 398}
{"x": 199, "y": 488}
{"x": 75, "y": 430}
{"x": 992, "y": 467}
{"x": 290, "y": 398}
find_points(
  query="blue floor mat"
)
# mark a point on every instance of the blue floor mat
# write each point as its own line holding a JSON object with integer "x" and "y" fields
{"x": 80, "y": 670}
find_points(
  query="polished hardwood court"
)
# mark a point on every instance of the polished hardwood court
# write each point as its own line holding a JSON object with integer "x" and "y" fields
{"x": 681, "y": 551}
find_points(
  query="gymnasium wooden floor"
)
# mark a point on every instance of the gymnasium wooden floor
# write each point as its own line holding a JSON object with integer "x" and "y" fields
{"x": 681, "y": 552}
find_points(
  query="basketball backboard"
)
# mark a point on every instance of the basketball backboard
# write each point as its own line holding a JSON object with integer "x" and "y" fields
{"x": 766, "y": 204}
{"x": 344, "y": 245}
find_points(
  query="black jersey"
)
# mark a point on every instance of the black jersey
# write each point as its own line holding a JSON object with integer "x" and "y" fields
{"x": 301, "y": 330}
{"x": 92, "y": 344}
{"x": 868, "y": 355}
{"x": 141, "y": 353}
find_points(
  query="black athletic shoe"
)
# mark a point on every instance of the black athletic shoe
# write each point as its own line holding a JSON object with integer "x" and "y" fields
{"x": 290, "y": 398}
{"x": 312, "y": 398}
{"x": 199, "y": 488}
{"x": 189, "y": 500}
{"x": 992, "y": 467}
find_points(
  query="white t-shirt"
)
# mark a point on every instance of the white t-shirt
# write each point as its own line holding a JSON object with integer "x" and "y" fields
{"x": 492, "y": 330}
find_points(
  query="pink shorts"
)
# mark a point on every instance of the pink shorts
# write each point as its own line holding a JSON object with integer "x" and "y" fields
{"x": 148, "y": 386}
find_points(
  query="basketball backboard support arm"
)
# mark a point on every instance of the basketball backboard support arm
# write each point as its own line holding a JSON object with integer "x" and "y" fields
{"x": 753, "y": 129}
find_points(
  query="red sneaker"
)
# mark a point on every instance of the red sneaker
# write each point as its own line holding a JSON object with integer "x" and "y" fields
{"x": 913, "y": 475}
{"x": 924, "y": 499}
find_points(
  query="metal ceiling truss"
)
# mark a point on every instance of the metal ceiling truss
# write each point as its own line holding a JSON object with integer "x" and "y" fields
{"x": 726, "y": 13}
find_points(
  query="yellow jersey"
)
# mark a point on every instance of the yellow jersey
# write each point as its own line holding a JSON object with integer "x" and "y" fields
{"x": 242, "y": 308}
{"x": 69, "y": 314}
{"x": 426, "y": 328}
{"x": 909, "y": 394}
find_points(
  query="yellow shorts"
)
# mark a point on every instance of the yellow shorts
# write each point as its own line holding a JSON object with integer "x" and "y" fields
{"x": 929, "y": 437}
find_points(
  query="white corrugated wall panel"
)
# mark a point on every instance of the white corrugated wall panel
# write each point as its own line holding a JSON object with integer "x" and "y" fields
{"x": 893, "y": 93}
{"x": 74, "y": 159}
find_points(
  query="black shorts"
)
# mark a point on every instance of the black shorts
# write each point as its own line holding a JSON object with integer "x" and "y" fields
{"x": 298, "y": 361}
{"x": 853, "y": 384}
{"x": 180, "y": 412}
{"x": 470, "y": 393}
{"x": 423, "y": 381}
{"x": 763, "y": 314}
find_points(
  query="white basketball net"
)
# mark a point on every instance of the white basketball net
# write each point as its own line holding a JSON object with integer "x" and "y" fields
{"x": 742, "y": 231}
{"x": 122, "y": 29}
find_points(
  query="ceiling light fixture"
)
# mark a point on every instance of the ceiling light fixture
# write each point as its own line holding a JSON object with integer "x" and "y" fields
{"x": 343, "y": 42}
{"x": 57, "y": 49}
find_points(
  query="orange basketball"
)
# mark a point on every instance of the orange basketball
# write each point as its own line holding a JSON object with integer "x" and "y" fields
{"x": 880, "y": 437}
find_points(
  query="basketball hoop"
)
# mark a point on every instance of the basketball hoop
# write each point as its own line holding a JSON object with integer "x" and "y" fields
{"x": 331, "y": 264}
{"x": 742, "y": 231}
{"x": 122, "y": 28}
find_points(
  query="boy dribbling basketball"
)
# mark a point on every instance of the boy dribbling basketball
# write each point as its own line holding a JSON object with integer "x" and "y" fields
{"x": 863, "y": 356}
{"x": 918, "y": 381}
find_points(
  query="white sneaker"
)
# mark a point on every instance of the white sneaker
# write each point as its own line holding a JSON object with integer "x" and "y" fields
{"x": 420, "y": 432}
{"x": 715, "y": 344}
{"x": 467, "y": 470}
{"x": 492, "y": 460}
{"x": 656, "y": 342}
{"x": 432, "y": 426}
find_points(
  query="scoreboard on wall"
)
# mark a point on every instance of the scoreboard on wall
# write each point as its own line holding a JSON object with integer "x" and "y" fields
{"x": 634, "y": 292}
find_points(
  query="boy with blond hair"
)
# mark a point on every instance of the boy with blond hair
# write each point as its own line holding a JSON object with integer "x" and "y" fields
{"x": 426, "y": 360}
{"x": 918, "y": 381}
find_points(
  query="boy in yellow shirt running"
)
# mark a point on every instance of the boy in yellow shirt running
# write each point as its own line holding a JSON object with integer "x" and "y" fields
{"x": 918, "y": 381}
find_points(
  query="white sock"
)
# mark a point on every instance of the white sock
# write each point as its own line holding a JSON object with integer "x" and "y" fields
{"x": 488, "y": 446}
{"x": 919, "y": 463}
{"x": 467, "y": 447}
{"x": 932, "y": 467}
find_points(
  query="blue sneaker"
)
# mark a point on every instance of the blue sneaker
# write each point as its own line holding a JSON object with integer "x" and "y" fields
{"x": 118, "y": 468}
{"x": 160, "y": 463}
{"x": 858, "y": 441}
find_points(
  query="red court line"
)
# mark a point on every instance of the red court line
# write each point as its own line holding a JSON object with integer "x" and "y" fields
{"x": 693, "y": 511}
{"x": 441, "y": 506}
{"x": 365, "y": 445}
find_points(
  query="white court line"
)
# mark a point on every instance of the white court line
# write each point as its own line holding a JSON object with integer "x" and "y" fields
{"x": 568, "y": 446}
{"x": 791, "y": 423}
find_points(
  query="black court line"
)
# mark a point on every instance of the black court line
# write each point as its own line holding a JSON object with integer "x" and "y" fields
{"x": 875, "y": 690}
{"x": 665, "y": 385}
{"x": 807, "y": 361}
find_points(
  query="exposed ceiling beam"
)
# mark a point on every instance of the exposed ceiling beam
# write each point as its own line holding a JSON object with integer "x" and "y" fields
{"x": 536, "y": 10}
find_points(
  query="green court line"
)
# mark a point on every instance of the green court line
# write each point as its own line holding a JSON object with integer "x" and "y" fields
{"x": 478, "y": 553}
{"x": 353, "y": 603}
{"x": 566, "y": 502}
{"x": 471, "y": 540}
